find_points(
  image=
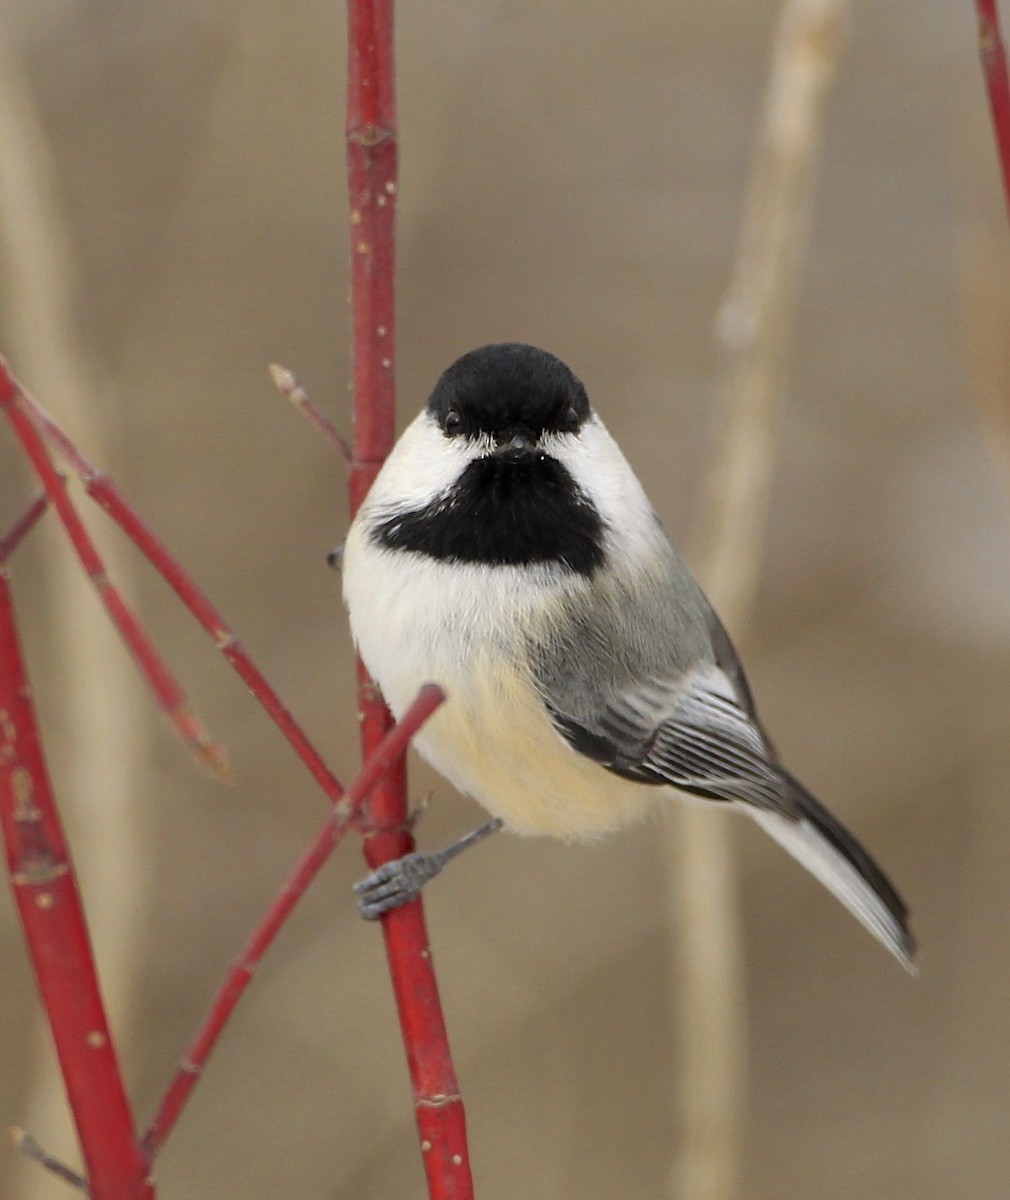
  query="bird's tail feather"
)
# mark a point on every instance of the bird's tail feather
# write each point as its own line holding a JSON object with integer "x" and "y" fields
{"x": 831, "y": 854}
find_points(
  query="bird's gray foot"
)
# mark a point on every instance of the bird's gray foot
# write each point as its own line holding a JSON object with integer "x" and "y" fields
{"x": 397, "y": 882}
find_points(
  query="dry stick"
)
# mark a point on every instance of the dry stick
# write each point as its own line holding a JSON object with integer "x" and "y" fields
{"x": 383, "y": 758}
{"x": 45, "y": 890}
{"x": 167, "y": 691}
{"x": 754, "y": 331}
{"x": 992, "y": 52}
{"x": 105, "y": 492}
{"x": 371, "y": 165}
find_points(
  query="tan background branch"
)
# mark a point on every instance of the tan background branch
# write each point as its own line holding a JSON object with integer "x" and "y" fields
{"x": 754, "y": 335}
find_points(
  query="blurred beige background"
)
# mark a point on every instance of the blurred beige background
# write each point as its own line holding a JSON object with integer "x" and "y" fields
{"x": 572, "y": 175}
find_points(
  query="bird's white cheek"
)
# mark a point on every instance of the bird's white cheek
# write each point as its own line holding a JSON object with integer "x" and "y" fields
{"x": 603, "y": 474}
{"x": 424, "y": 464}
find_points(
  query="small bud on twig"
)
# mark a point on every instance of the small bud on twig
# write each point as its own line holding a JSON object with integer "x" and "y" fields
{"x": 291, "y": 388}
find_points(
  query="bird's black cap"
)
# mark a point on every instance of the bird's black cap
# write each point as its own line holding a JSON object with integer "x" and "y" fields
{"x": 496, "y": 387}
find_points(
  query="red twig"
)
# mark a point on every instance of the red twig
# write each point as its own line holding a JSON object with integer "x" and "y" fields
{"x": 105, "y": 492}
{"x": 994, "y": 67}
{"x": 372, "y": 180}
{"x": 46, "y": 894}
{"x": 23, "y": 526}
{"x": 292, "y": 389}
{"x": 163, "y": 683}
{"x": 30, "y": 1148}
{"x": 382, "y": 759}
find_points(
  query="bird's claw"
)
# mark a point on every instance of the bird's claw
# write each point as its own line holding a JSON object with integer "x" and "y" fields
{"x": 395, "y": 883}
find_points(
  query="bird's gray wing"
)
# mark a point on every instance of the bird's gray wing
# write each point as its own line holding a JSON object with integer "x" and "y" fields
{"x": 652, "y": 701}
{"x": 727, "y": 660}
{"x": 696, "y": 731}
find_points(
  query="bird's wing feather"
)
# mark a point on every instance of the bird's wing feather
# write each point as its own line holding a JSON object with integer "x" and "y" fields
{"x": 650, "y": 697}
{"x": 698, "y": 736}
{"x": 694, "y": 733}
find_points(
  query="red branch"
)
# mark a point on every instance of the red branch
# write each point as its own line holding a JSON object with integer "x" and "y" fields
{"x": 23, "y": 526}
{"x": 293, "y": 390}
{"x": 38, "y": 860}
{"x": 45, "y": 890}
{"x": 994, "y": 67}
{"x": 105, "y": 492}
{"x": 31, "y": 419}
{"x": 372, "y": 181}
{"x": 163, "y": 683}
{"x": 384, "y": 758}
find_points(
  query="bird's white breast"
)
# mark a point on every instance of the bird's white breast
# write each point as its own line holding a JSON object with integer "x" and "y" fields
{"x": 465, "y": 626}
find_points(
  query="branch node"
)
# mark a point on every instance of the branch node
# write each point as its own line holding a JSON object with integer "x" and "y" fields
{"x": 370, "y": 135}
{"x": 38, "y": 872}
{"x": 438, "y": 1100}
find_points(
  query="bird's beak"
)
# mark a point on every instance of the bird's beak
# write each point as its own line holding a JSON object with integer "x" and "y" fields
{"x": 516, "y": 445}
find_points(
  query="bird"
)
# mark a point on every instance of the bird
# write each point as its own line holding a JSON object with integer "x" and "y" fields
{"x": 507, "y": 551}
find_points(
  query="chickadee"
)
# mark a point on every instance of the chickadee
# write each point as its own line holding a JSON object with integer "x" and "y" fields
{"x": 507, "y": 551}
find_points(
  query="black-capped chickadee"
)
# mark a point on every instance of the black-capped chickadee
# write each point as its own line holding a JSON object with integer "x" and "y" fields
{"x": 507, "y": 551}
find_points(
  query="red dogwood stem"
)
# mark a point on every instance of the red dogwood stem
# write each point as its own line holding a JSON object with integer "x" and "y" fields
{"x": 292, "y": 389}
{"x": 384, "y": 758}
{"x": 104, "y": 492}
{"x": 45, "y": 890}
{"x": 162, "y": 682}
{"x": 994, "y": 67}
{"x": 102, "y": 489}
{"x": 372, "y": 182}
{"x": 23, "y": 526}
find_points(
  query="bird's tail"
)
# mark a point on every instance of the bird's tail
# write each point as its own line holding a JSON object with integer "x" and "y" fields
{"x": 832, "y": 855}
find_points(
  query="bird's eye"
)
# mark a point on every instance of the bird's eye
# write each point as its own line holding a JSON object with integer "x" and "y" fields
{"x": 453, "y": 423}
{"x": 569, "y": 422}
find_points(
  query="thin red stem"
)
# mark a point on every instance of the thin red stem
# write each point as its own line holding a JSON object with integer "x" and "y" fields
{"x": 30, "y": 1148}
{"x": 23, "y": 526}
{"x": 994, "y": 67}
{"x": 372, "y": 184}
{"x": 163, "y": 683}
{"x": 293, "y": 390}
{"x": 45, "y": 890}
{"x": 386, "y": 756}
{"x": 105, "y": 492}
